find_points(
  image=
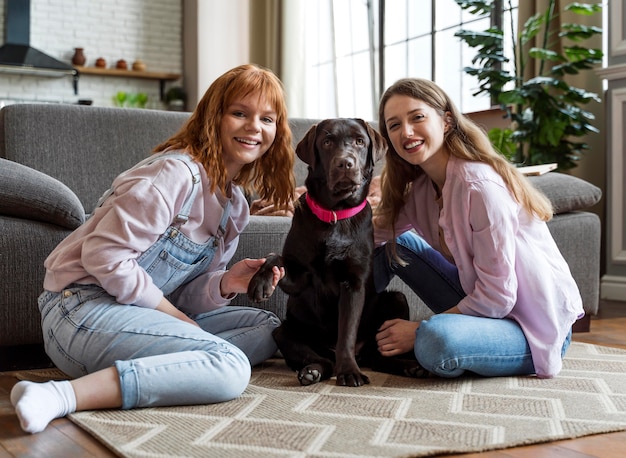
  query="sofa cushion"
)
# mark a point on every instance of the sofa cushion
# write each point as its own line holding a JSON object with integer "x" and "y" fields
{"x": 567, "y": 193}
{"x": 29, "y": 194}
{"x": 85, "y": 147}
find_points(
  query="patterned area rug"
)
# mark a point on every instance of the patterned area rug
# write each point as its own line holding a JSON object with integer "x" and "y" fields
{"x": 391, "y": 417}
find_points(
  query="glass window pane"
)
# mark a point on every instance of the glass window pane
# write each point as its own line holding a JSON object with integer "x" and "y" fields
{"x": 420, "y": 58}
{"x": 320, "y": 102}
{"x": 420, "y": 18}
{"x": 351, "y": 26}
{"x": 396, "y": 21}
{"x": 319, "y": 45}
{"x": 468, "y": 101}
{"x": 448, "y": 65}
{"x": 447, "y": 14}
{"x": 469, "y": 84}
{"x": 395, "y": 63}
{"x": 354, "y": 87}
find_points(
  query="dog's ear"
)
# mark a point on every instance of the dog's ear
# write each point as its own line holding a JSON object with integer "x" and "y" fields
{"x": 305, "y": 149}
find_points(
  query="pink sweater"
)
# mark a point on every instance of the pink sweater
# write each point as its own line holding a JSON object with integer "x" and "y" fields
{"x": 509, "y": 265}
{"x": 104, "y": 250}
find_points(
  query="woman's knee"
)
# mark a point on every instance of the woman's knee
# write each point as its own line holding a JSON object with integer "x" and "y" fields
{"x": 436, "y": 348}
{"x": 232, "y": 374}
{"x": 235, "y": 383}
{"x": 412, "y": 242}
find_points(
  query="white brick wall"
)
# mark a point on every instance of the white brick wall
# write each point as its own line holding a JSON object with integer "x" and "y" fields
{"x": 150, "y": 30}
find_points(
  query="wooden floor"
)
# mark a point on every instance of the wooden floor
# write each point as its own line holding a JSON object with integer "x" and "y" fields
{"x": 63, "y": 439}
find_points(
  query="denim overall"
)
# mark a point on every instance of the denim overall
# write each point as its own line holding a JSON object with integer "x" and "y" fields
{"x": 161, "y": 360}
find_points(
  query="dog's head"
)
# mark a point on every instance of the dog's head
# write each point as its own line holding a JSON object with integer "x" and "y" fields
{"x": 341, "y": 154}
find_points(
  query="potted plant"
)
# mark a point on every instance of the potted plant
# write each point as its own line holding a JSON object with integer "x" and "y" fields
{"x": 547, "y": 114}
{"x": 176, "y": 97}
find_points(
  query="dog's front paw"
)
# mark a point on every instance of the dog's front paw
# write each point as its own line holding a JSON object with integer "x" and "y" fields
{"x": 352, "y": 379}
{"x": 310, "y": 374}
{"x": 260, "y": 287}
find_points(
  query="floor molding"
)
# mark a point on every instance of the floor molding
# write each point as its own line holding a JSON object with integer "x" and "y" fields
{"x": 613, "y": 287}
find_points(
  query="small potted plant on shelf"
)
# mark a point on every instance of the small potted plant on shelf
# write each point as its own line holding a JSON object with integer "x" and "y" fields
{"x": 176, "y": 97}
{"x": 130, "y": 100}
{"x": 547, "y": 114}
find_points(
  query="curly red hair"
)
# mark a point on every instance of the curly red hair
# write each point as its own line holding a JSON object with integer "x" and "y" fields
{"x": 271, "y": 176}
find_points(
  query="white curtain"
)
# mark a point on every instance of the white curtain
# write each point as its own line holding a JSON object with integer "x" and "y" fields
{"x": 293, "y": 60}
{"x": 326, "y": 64}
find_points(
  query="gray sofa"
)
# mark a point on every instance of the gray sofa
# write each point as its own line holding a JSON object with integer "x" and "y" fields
{"x": 56, "y": 160}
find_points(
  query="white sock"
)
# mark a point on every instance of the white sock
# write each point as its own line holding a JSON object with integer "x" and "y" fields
{"x": 37, "y": 404}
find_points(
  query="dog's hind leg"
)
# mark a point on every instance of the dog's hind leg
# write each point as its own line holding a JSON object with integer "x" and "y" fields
{"x": 390, "y": 305}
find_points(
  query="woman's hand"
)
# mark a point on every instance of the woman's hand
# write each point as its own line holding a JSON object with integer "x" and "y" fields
{"x": 396, "y": 337}
{"x": 166, "y": 306}
{"x": 236, "y": 279}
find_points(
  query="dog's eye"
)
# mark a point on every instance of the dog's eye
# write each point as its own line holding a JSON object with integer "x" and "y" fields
{"x": 360, "y": 142}
{"x": 327, "y": 142}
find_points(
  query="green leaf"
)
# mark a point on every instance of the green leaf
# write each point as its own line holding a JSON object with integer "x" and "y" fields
{"x": 532, "y": 27}
{"x": 480, "y": 8}
{"x": 586, "y": 9}
{"x": 545, "y": 54}
{"x": 579, "y": 32}
{"x": 501, "y": 141}
{"x": 577, "y": 95}
{"x": 578, "y": 53}
{"x": 489, "y": 38}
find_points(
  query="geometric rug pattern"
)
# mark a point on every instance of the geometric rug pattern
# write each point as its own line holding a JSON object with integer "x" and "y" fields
{"x": 391, "y": 417}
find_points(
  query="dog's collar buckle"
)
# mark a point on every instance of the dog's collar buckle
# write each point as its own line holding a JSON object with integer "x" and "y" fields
{"x": 332, "y": 216}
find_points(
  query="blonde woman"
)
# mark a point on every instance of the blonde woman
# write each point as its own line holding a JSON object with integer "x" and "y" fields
{"x": 468, "y": 233}
{"x": 134, "y": 301}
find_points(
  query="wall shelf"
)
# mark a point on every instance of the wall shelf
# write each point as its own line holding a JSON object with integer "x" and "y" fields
{"x": 162, "y": 77}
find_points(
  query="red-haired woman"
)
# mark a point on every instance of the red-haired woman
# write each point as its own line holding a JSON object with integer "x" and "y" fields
{"x": 134, "y": 300}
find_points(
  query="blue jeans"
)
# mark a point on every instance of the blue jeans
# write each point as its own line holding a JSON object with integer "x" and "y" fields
{"x": 450, "y": 344}
{"x": 160, "y": 359}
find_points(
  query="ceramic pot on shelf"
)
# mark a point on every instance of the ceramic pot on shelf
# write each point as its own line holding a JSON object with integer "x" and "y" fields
{"x": 139, "y": 66}
{"x": 79, "y": 58}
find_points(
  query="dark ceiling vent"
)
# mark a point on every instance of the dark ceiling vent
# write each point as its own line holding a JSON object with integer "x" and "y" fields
{"x": 16, "y": 55}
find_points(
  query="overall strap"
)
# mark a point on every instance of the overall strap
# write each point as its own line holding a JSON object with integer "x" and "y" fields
{"x": 221, "y": 230}
{"x": 183, "y": 215}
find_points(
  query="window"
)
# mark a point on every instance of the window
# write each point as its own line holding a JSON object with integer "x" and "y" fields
{"x": 344, "y": 72}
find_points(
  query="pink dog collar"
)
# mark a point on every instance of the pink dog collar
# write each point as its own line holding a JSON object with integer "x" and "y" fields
{"x": 331, "y": 216}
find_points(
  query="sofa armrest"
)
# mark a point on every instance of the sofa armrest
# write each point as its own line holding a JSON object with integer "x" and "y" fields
{"x": 30, "y": 194}
{"x": 567, "y": 193}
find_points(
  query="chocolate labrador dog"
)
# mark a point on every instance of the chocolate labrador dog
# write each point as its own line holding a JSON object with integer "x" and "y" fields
{"x": 333, "y": 310}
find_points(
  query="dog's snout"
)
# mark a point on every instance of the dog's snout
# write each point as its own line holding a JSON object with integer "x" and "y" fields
{"x": 345, "y": 163}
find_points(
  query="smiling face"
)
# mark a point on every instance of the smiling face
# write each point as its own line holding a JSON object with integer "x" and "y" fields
{"x": 247, "y": 131}
{"x": 416, "y": 130}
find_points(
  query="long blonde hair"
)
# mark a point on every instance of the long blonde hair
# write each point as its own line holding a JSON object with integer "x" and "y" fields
{"x": 272, "y": 175}
{"x": 464, "y": 139}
